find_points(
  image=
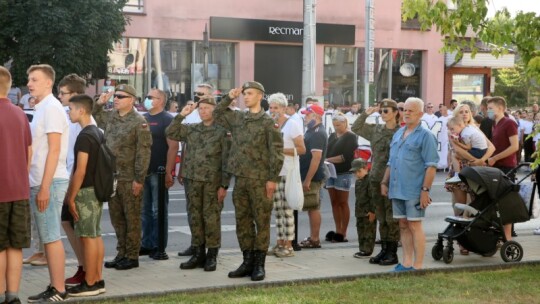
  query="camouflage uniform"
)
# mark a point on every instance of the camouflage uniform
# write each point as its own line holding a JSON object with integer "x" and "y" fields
{"x": 256, "y": 157}
{"x": 207, "y": 150}
{"x": 363, "y": 204}
{"x": 380, "y": 138}
{"x": 130, "y": 140}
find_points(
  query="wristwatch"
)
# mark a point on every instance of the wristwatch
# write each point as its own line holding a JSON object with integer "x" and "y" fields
{"x": 426, "y": 189}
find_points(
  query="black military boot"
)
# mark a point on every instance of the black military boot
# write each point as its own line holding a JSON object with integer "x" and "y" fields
{"x": 390, "y": 258}
{"x": 211, "y": 261}
{"x": 377, "y": 259}
{"x": 197, "y": 260}
{"x": 187, "y": 252}
{"x": 258, "y": 266}
{"x": 246, "y": 268}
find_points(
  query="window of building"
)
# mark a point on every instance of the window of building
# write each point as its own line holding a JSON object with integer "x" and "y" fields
{"x": 134, "y": 6}
{"x": 468, "y": 87}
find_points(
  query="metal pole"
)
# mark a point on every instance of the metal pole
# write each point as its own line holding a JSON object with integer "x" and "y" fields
{"x": 366, "y": 58}
{"x": 308, "y": 60}
{"x": 390, "y": 66}
{"x": 355, "y": 76}
{"x": 161, "y": 254}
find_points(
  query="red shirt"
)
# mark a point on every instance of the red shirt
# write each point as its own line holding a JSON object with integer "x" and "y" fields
{"x": 16, "y": 138}
{"x": 502, "y": 131}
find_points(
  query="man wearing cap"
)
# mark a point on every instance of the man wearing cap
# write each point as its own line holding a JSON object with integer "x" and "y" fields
{"x": 309, "y": 102}
{"x": 128, "y": 136}
{"x": 255, "y": 160}
{"x": 312, "y": 171}
{"x": 207, "y": 149}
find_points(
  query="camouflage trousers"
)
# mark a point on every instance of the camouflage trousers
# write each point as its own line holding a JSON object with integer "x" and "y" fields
{"x": 205, "y": 213}
{"x": 366, "y": 233}
{"x": 253, "y": 212}
{"x": 125, "y": 211}
{"x": 388, "y": 226}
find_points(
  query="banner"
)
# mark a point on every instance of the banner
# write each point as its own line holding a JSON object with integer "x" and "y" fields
{"x": 440, "y": 130}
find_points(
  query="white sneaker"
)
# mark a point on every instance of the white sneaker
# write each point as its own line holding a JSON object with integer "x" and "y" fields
{"x": 453, "y": 180}
{"x": 536, "y": 231}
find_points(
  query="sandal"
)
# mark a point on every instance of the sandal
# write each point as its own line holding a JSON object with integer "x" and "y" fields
{"x": 463, "y": 251}
{"x": 330, "y": 236}
{"x": 339, "y": 238}
{"x": 309, "y": 243}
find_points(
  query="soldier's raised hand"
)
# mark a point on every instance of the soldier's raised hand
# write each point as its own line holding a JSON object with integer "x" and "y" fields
{"x": 372, "y": 110}
{"x": 105, "y": 97}
{"x": 234, "y": 93}
{"x": 186, "y": 110}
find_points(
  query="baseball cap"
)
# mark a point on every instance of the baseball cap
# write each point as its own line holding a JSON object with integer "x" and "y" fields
{"x": 314, "y": 109}
{"x": 252, "y": 85}
{"x": 388, "y": 103}
{"x": 358, "y": 164}
{"x": 127, "y": 89}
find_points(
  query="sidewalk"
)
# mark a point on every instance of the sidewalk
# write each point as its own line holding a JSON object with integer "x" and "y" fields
{"x": 333, "y": 261}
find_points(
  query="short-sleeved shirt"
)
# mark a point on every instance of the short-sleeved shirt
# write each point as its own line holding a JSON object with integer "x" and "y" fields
{"x": 526, "y": 126}
{"x": 16, "y": 138}
{"x": 13, "y": 95}
{"x": 471, "y": 135}
{"x": 88, "y": 144}
{"x": 502, "y": 131}
{"x": 344, "y": 145}
{"x": 49, "y": 117}
{"x": 290, "y": 130}
{"x": 158, "y": 124}
{"x": 315, "y": 139}
{"x": 409, "y": 159}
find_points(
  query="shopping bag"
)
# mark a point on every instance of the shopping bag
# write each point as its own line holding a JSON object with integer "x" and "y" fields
{"x": 294, "y": 193}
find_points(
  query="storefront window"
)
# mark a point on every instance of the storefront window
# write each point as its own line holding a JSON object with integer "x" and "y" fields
{"x": 468, "y": 87}
{"x": 406, "y": 74}
{"x": 171, "y": 66}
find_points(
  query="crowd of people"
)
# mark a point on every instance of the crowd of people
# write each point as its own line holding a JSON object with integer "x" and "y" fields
{"x": 49, "y": 174}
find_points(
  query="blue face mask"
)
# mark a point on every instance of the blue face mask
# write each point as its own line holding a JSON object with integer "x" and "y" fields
{"x": 490, "y": 114}
{"x": 311, "y": 123}
{"x": 148, "y": 104}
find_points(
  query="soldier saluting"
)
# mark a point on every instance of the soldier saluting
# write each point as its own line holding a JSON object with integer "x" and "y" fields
{"x": 255, "y": 159}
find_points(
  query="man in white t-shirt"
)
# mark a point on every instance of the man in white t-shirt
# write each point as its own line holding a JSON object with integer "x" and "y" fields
{"x": 48, "y": 175}
{"x": 291, "y": 112}
{"x": 527, "y": 126}
{"x": 293, "y": 139}
{"x": 429, "y": 116}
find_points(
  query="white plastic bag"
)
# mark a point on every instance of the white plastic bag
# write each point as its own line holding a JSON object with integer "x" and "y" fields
{"x": 294, "y": 193}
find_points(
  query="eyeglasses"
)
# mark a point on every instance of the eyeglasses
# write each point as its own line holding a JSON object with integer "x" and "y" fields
{"x": 199, "y": 93}
{"x": 121, "y": 96}
{"x": 400, "y": 109}
{"x": 64, "y": 93}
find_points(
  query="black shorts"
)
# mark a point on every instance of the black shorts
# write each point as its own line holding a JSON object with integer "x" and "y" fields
{"x": 15, "y": 225}
{"x": 66, "y": 216}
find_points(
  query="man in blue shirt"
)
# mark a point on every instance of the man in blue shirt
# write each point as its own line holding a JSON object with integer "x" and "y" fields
{"x": 411, "y": 169}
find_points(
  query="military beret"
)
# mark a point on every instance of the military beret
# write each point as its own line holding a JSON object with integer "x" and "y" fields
{"x": 388, "y": 103}
{"x": 358, "y": 164}
{"x": 252, "y": 85}
{"x": 208, "y": 100}
{"x": 127, "y": 89}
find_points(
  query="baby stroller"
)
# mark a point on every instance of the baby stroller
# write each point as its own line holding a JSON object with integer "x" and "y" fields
{"x": 497, "y": 203}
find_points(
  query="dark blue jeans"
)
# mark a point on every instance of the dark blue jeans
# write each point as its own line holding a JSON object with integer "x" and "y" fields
{"x": 150, "y": 213}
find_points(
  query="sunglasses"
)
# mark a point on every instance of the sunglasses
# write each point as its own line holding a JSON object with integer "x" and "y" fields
{"x": 199, "y": 94}
{"x": 386, "y": 111}
{"x": 400, "y": 109}
{"x": 121, "y": 96}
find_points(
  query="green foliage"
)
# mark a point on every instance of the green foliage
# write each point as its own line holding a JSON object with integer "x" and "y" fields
{"x": 73, "y": 36}
{"x": 513, "y": 84}
{"x": 470, "y": 17}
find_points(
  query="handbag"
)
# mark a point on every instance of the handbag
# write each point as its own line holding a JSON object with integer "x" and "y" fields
{"x": 294, "y": 193}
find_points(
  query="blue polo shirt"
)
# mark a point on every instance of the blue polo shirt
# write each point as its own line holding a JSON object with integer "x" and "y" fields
{"x": 409, "y": 159}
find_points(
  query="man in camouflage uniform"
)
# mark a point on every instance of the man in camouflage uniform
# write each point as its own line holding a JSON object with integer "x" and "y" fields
{"x": 364, "y": 211}
{"x": 128, "y": 136}
{"x": 380, "y": 137}
{"x": 207, "y": 148}
{"x": 255, "y": 160}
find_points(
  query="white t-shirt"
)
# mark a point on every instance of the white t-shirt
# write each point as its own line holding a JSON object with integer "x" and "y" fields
{"x": 471, "y": 135}
{"x": 49, "y": 117}
{"x": 296, "y": 117}
{"x": 291, "y": 130}
{"x": 526, "y": 125}
{"x": 430, "y": 119}
{"x": 24, "y": 101}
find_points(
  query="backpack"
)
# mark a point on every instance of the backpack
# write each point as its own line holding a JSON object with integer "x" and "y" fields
{"x": 105, "y": 175}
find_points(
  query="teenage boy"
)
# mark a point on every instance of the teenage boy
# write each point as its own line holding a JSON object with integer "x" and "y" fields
{"x": 83, "y": 204}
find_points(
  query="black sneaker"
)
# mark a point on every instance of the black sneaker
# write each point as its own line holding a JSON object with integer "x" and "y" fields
{"x": 101, "y": 285}
{"x": 84, "y": 290}
{"x": 49, "y": 295}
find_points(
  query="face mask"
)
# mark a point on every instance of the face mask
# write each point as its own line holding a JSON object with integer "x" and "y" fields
{"x": 490, "y": 114}
{"x": 311, "y": 124}
{"x": 148, "y": 104}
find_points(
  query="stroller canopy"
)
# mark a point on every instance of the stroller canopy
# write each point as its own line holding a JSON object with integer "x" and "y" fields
{"x": 491, "y": 179}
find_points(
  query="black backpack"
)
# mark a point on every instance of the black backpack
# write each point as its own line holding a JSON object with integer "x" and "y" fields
{"x": 105, "y": 175}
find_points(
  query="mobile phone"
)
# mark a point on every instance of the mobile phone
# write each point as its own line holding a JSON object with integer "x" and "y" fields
{"x": 418, "y": 206}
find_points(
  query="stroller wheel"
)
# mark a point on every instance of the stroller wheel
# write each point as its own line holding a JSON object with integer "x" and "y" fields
{"x": 437, "y": 252}
{"x": 511, "y": 251}
{"x": 448, "y": 254}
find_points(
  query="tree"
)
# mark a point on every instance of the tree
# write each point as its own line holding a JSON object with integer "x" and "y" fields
{"x": 514, "y": 85}
{"x": 502, "y": 31}
{"x": 73, "y": 36}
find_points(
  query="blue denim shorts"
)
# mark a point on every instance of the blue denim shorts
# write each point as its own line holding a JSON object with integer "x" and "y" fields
{"x": 341, "y": 182}
{"x": 48, "y": 222}
{"x": 409, "y": 209}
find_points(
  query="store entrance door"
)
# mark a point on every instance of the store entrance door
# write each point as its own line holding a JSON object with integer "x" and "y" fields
{"x": 279, "y": 69}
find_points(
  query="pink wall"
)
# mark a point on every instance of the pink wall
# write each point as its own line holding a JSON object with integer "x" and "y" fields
{"x": 185, "y": 19}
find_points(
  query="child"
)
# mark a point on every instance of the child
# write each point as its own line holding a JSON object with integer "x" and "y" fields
{"x": 364, "y": 211}
{"x": 82, "y": 201}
